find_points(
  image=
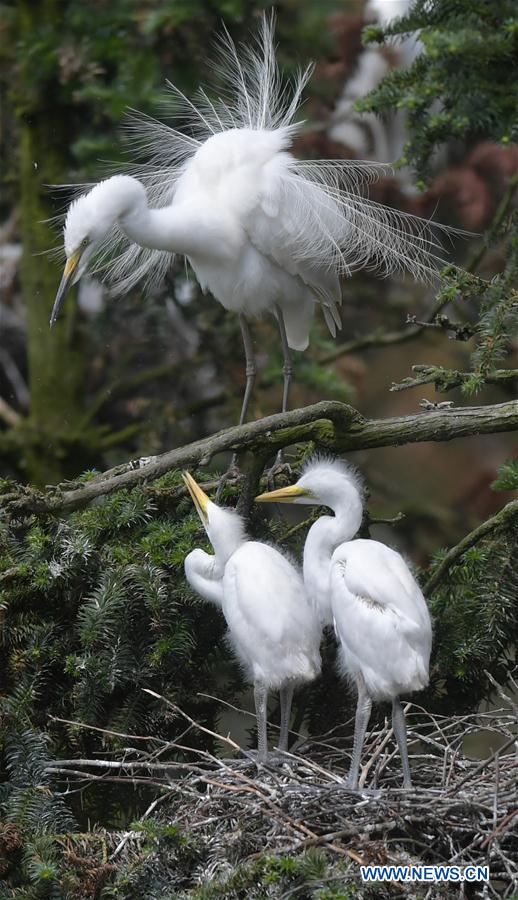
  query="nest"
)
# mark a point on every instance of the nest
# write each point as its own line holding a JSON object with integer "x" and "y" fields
{"x": 461, "y": 811}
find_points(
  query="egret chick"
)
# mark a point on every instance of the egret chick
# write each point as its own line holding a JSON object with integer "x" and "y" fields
{"x": 271, "y": 626}
{"x": 263, "y": 231}
{"x": 380, "y": 615}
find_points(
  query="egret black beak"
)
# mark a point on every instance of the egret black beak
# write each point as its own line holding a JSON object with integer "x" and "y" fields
{"x": 284, "y": 495}
{"x": 198, "y": 497}
{"x": 65, "y": 285}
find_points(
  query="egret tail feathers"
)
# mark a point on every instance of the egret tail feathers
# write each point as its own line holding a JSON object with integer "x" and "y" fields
{"x": 297, "y": 321}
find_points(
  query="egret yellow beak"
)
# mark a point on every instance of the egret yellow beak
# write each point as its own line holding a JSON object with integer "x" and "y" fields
{"x": 198, "y": 497}
{"x": 65, "y": 284}
{"x": 284, "y": 495}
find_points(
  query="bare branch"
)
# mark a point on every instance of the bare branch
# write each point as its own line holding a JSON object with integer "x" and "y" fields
{"x": 382, "y": 338}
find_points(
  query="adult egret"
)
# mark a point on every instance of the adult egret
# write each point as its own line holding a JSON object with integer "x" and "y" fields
{"x": 263, "y": 231}
{"x": 271, "y": 626}
{"x": 379, "y": 612}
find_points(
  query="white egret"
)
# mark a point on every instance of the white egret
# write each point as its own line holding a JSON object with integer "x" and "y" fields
{"x": 263, "y": 231}
{"x": 271, "y": 626}
{"x": 368, "y": 591}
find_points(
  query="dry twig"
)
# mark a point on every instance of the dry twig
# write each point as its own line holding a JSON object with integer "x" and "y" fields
{"x": 239, "y": 811}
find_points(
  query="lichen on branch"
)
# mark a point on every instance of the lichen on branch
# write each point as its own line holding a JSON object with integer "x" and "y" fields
{"x": 333, "y": 426}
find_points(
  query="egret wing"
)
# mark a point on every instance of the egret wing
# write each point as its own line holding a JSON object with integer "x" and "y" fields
{"x": 381, "y": 577}
{"x": 381, "y": 618}
{"x": 279, "y": 225}
{"x": 271, "y": 625}
{"x": 265, "y": 593}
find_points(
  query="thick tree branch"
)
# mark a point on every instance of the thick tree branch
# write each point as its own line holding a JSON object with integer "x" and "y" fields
{"x": 333, "y": 426}
{"x": 505, "y": 515}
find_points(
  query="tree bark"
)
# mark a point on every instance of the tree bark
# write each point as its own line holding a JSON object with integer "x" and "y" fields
{"x": 55, "y": 358}
{"x": 332, "y": 426}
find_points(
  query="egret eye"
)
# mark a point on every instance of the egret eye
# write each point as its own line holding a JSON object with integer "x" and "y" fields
{"x": 85, "y": 242}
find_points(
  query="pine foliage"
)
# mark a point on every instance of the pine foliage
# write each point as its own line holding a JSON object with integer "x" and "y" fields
{"x": 463, "y": 86}
{"x": 96, "y": 608}
{"x": 495, "y": 306}
{"x": 476, "y": 621}
{"x": 507, "y": 476}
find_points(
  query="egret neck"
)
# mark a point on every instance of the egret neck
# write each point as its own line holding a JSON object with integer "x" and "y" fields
{"x": 323, "y": 538}
{"x": 167, "y": 228}
{"x": 226, "y": 536}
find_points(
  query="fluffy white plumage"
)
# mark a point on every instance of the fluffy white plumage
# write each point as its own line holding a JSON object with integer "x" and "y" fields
{"x": 368, "y": 591}
{"x": 271, "y": 625}
{"x": 259, "y": 227}
{"x": 381, "y": 619}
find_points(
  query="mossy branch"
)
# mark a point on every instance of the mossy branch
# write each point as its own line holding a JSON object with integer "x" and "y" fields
{"x": 447, "y": 379}
{"x": 334, "y": 427}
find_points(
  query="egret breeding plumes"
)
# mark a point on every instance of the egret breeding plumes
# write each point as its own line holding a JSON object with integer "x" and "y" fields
{"x": 262, "y": 230}
{"x": 367, "y": 589}
{"x": 271, "y": 626}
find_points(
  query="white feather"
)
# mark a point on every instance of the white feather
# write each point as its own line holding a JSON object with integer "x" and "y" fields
{"x": 271, "y": 626}
{"x": 267, "y": 229}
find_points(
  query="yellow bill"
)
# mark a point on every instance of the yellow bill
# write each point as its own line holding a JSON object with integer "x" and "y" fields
{"x": 65, "y": 285}
{"x": 284, "y": 495}
{"x": 198, "y": 496}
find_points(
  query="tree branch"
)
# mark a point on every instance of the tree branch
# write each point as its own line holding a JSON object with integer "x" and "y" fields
{"x": 333, "y": 426}
{"x": 120, "y": 386}
{"x": 509, "y": 512}
{"x": 382, "y": 338}
{"x": 447, "y": 379}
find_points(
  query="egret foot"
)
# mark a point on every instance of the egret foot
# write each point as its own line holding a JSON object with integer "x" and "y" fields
{"x": 278, "y": 758}
{"x": 272, "y": 758}
{"x": 260, "y": 758}
{"x": 372, "y": 793}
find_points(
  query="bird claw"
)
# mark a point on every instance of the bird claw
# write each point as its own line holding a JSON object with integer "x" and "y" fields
{"x": 351, "y": 785}
{"x": 260, "y": 759}
{"x": 371, "y": 793}
{"x": 270, "y": 758}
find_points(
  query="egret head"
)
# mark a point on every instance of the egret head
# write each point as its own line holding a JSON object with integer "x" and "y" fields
{"x": 224, "y": 527}
{"x": 324, "y": 482}
{"x": 83, "y": 233}
{"x": 90, "y": 218}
